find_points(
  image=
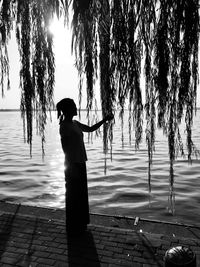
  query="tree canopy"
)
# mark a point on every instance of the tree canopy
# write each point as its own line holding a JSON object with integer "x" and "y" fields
{"x": 117, "y": 42}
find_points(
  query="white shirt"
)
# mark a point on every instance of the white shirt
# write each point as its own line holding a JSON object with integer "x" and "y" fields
{"x": 72, "y": 142}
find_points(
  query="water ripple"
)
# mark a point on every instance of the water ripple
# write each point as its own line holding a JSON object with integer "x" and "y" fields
{"x": 123, "y": 190}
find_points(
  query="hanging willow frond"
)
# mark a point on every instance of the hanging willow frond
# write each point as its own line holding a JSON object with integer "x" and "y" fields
{"x": 147, "y": 28}
{"x": 35, "y": 44}
{"x": 118, "y": 55}
{"x": 24, "y": 40}
{"x": 6, "y": 26}
{"x": 83, "y": 43}
{"x": 4, "y": 69}
{"x": 134, "y": 45}
{"x": 126, "y": 61}
{"x": 107, "y": 92}
{"x": 162, "y": 61}
{"x": 90, "y": 24}
{"x": 37, "y": 61}
{"x": 189, "y": 57}
{"x": 162, "y": 35}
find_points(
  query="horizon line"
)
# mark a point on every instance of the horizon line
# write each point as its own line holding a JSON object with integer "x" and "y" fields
{"x": 15, "y": 109}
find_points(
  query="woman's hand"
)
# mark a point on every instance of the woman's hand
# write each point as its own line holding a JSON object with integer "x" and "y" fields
{"x": 109, "y": 117}
{"x": 86, "y": 128}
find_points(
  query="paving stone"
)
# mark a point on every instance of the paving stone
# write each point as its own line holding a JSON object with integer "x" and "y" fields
{"x": 42, "y": 241}
{"x": 46, "y": 261}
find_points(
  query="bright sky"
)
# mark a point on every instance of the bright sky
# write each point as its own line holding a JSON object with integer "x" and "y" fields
{"x": 66, "y": 76}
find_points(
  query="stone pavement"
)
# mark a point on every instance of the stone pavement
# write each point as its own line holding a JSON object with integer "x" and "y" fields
{"x": 31, "y": 236}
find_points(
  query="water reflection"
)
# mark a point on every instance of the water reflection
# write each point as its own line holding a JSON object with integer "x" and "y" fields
{"x": 123, "y": 190}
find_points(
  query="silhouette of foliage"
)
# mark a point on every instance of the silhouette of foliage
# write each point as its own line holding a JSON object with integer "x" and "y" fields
{"x": 163, "y": 37}
{"x": 117, "y": 42}
{"x": 30, "y": 19}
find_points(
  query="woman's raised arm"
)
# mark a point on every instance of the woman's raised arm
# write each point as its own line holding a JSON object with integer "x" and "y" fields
{"x": 87, "y": 128}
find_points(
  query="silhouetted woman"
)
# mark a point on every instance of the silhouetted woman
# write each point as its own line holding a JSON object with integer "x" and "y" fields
{"x": 71, "y": 132}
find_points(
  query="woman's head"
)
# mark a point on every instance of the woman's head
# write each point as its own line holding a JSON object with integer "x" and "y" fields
{"x": 66, "y": 107}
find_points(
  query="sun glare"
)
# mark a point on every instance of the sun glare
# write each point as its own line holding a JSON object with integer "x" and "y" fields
{"x": 66, "y": 82}
{"x": 60, "y": 31}
{"x": 61, "y": 36}
{"x": 57, "y": 28}
{"x": 52, "y": 27}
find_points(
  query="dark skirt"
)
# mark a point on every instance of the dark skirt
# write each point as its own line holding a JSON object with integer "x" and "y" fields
{"x": 77, "y": 206}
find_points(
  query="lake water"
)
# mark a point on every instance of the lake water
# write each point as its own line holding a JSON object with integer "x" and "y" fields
{"x": 123, "y": 190}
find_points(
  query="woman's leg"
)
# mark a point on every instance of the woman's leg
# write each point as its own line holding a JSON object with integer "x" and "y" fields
{"x": 77, "y": 206}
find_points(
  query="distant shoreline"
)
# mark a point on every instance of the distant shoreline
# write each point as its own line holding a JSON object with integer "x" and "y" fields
{"x": 11, "y": 110}
{"x": 8, "y": 110}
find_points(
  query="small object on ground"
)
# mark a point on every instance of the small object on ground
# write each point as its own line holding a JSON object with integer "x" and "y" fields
{"x": 136, "y": 221}
{"x": 180, "y": 256}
